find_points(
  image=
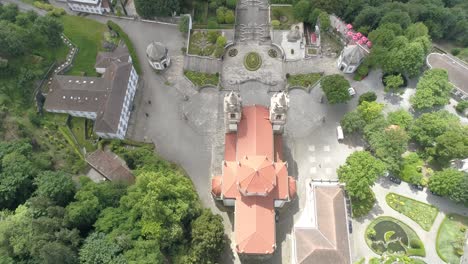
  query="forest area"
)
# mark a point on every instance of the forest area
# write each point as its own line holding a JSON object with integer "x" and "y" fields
{"x": 49, "y": 211}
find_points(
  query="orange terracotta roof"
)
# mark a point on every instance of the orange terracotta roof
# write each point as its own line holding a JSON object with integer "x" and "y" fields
{"x": 255, "y": 133}
{"x": 255, "y": 180}
{"x": 255, "y": 175}
{"x": 255, "y": 225}
{"x": 278, "y": 147}
{"x": 230, "y": 147}
{"x": 216, "y": 185}
{"x": 292, "y": 187}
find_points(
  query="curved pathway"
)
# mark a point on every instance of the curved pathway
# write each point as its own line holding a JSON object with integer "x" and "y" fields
{"x": 381, "y": 189}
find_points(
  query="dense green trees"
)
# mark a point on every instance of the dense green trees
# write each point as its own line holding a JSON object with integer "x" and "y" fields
{"x": 336, "y": 88}
{"x": 57, "y": 186}
{"x": 450, "y": 183}
{"x": 429, "y": 126}
{"x": 433, "y": 89}
{"x": 153, "y": 8}
{"x": 400, "y": 118}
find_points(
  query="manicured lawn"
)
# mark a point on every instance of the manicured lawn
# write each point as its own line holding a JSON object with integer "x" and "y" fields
{"x": 393, "y": 235}
{"x": 201, "y": 79}
{"x": 304, "y": 80}
{"x": 284, "y": 14}
{"x": 252, "y": 61}
{"x": 88, "y": 35}
{"x": 450, "y": 238}
{"x": 77, "y": 127}
{"x": 423, "y": 214}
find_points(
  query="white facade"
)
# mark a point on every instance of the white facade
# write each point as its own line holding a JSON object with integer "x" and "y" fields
{"x": 160, "y": 65}
{"x": 92, "y": 7}
{"x": 126, "y": 108}
{"x": 344, "y": 67}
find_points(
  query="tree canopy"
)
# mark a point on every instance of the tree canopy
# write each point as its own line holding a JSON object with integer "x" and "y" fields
{"x": 450, "y": 183}
{"x": 359, "y": 173}
{"x": 433, "y": 89}
{"x": 336, "y": 88}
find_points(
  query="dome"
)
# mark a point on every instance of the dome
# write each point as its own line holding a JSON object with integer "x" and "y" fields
{"x": 156, "y": 51}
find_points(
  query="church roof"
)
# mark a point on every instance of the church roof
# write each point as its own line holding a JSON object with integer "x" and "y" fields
{"x": 256, "y": 175}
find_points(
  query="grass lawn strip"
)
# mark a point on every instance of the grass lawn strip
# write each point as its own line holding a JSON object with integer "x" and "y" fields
{"x": 451, "y": 238}
{"x": 412, "y": 236}
{"x": 423, "y": 214}
{"x": 304, "y": 80}
{"x": 88, "y": 35}
{"x": 77, "y": 126}
{"x": 202, "y": 79}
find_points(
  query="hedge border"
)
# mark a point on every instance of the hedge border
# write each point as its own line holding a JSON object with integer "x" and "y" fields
{"x": 136, "y": 62}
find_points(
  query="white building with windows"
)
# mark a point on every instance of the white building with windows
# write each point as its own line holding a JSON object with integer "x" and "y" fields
{"x": 107, "y": 100}
{"x": 351, "y": 57}
{"x": 89, "y": 6}
{"x": 158, "y": 56}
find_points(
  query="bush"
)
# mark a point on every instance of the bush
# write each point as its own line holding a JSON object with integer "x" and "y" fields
{"x": 393, "y": 82}
{"x": 336, "y": 88}
{"x": 368, "y": 97}
{"x": 231, "y": 4}
{"x": 221, "y": 14}
{"x": 461, "y": 106}
{"x": 128, "y": 43}
{"x": 275, "y": 23}
{"x": 229, "y": 17}
{"x": 213, "y": 36}
{"x": 184, "y": 24}
{"x": 455, "y": 51}
{"x": 416, "y": 243}
{"x": 371, "y": 233}
{"x": 212, "y": 23}
{"x": 221, "y": 41}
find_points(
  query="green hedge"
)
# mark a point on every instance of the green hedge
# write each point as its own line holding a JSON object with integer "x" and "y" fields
{"x": 128, "y": 42}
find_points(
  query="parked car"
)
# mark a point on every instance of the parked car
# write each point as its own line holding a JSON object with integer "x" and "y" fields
{"x": 351, "y": 91}
{"x": 350, "y": 226}
{"x": 434, "y": 193}
{"x": 339, "y": 133}
{"x": 417, "y": 187}
{"x": 276, "y": 216}
{"x": 395, "y": 180}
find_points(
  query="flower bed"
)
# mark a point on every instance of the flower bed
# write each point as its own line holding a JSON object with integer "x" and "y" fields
{"x": 389, "y": 234}
{"x": 252, "y": 61}
{"x": 201, "y": 79}
{"x": 423, "y": 214}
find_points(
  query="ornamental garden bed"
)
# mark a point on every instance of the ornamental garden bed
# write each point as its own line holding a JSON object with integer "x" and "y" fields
{"x": 451, "y": 238}
{"x": 423, "y": 214}
{"x": 387, "y": 234}
{"x": 252, "y": 61}
{"x": 304, "y": 80}
{"x": 282, "y": 17}
{"x": 201, "y": 79}
{"x": 203, "y": 43}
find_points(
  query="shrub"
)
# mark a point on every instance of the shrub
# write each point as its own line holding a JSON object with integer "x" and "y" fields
{"x": 416, "y": 243}
{"x": 371, "y": 233}
{"x": 393, "y": 81}
{"x": 221, "y": 41}
{"x": 275, "y": 23}
{"x": 231, "y": 4}
{"x": 212, "y": 23}
{"x": 128, "y": 43}
{"x": 219, "y": 51}
{"x": 461, "y": 106}
{"x": 361, "y": 72}
{"x": 213, "y": 36}
{"x": 229, "y": 17}
{"x": 184, "y": 24}
{"x": 455, "y": 51}
{"x": 368, "y": 97}
{"x": 221, "y": 14}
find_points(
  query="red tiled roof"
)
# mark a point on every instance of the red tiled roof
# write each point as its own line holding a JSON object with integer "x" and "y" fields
{"x": 254, "y": 135}
{"x": 255, "y": 180}
{"x": 216, "y": 185}
{"x": 256, "y": 175}
{"x": 255, "y": 225}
